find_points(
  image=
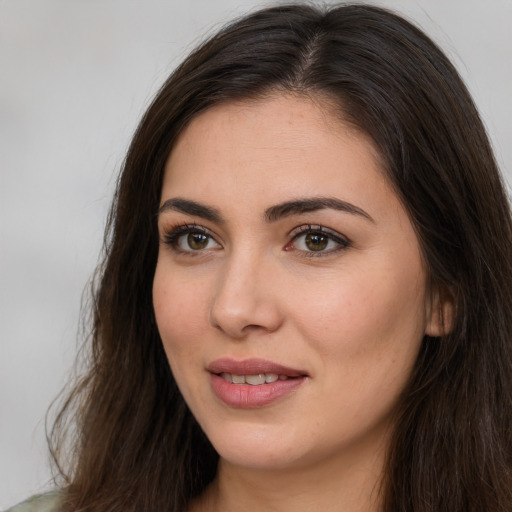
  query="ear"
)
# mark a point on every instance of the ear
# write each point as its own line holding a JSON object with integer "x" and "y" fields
{"x": 441, "y": 311}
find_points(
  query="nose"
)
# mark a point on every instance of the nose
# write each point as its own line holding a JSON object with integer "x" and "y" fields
{"x": 246, "y": 298}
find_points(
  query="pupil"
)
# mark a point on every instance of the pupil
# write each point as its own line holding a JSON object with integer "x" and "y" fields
{"x": 197, "y": 241}
{"x": 316, "y": 242}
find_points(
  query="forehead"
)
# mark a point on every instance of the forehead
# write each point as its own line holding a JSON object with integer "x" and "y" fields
{"x": 272, "y": 149}
{"x": 293, "y": 125}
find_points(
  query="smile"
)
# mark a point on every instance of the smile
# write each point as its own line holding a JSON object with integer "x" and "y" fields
{"x": 253, "y": 368}
{"x": 253, "y": 383}
{"x": 253, "y": 380}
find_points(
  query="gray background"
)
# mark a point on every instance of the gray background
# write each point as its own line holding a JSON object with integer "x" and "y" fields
{"x": 75, "y": 76}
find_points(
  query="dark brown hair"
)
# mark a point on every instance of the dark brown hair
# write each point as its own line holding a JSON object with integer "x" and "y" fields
{"x": 137, "y": 446}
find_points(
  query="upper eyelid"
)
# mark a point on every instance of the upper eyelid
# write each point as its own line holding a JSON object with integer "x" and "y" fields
{"x": 303, "y": 228}
{"x": 182, "y": 228}
{"x": 318, "y": 228}
{"x": 172, "y": 234}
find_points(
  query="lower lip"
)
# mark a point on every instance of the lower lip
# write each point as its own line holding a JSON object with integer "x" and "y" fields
{"x": 245, "y": 396}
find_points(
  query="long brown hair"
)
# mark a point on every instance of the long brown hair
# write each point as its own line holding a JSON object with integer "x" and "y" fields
{"x": 136, "y": 446}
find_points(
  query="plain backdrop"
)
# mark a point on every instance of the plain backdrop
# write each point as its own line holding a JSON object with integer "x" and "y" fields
{"x": 75, "y": 77}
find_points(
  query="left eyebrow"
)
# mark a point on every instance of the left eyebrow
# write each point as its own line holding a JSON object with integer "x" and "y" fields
{"x": 190, "y": 207}
{"x": 311, "y": 204}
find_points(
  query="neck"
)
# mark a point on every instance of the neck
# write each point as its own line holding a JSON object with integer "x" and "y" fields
{"x": 351, "y": 485}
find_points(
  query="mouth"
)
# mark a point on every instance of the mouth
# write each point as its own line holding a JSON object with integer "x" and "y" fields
{"x": 252, "y": 371}
{"x": 253, "y": 382}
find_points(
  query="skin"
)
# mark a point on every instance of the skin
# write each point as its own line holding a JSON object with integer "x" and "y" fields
{"x": 351, "y": 316}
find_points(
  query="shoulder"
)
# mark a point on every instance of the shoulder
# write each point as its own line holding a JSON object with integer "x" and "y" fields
{"x": 49, "y": 502}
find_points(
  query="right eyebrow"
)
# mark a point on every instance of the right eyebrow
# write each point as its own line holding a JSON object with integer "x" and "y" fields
{"x": 311, "y": 204}
{"x": 178, "y": 204}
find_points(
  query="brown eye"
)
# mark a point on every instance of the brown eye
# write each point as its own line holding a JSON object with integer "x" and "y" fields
{"x": 197, "y": 241}
{"x": 316, "y": 241}
{"x": 191, "y": 239}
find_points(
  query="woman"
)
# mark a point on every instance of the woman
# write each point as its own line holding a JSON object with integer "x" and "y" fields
{"x": 305, "y": 302}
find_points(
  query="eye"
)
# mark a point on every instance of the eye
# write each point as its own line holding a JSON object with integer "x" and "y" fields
{"x": 195, "y": 242}
{"x": 317, "y": 240}
{"x": 190, "y": 239}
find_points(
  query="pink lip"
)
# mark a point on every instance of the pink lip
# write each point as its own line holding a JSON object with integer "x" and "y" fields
{"x": 245, "y": 396}
{"x": 252, "y": 367}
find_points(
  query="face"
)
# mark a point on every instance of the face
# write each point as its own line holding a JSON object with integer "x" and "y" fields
{"x": 290, "y": 291}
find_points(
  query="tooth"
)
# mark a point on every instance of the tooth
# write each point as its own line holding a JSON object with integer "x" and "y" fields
{"x": 238, "y": 379}
{"x": 255, "y": 380}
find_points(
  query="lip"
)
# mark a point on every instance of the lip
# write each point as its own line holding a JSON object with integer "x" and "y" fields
{"x": 252, "y": 367}
{"x": 246, "y": 396}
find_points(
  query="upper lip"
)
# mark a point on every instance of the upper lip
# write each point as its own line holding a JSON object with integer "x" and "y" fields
{"x": 251, "y": 367}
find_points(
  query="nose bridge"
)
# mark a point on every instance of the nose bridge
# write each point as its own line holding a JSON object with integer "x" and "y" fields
{"x": 244, "y": 294}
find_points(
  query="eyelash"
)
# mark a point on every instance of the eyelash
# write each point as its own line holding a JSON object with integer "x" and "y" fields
{"x": 332, "y": 236}
{"x": 173, "y": 235}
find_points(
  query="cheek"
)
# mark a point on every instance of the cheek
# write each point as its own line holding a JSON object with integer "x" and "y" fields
{"x": 178, "y": 305}
{"x": 365, "y": 333}
{"x": 367, "y": 316}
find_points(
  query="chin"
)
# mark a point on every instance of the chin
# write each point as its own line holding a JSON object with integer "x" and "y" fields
{"x": 257, "y": 447}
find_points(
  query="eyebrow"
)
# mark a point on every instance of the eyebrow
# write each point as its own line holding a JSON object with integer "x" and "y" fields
{"x": 306, "y": 205}
{"x": 189, "y": 207}
{"x": 272, "y": 214}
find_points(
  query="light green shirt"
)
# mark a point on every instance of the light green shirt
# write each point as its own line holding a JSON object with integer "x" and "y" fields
{"x": 49, "y": 502}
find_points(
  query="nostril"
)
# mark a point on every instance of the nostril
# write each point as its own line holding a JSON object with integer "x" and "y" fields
{"x": 245, "y": 302}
